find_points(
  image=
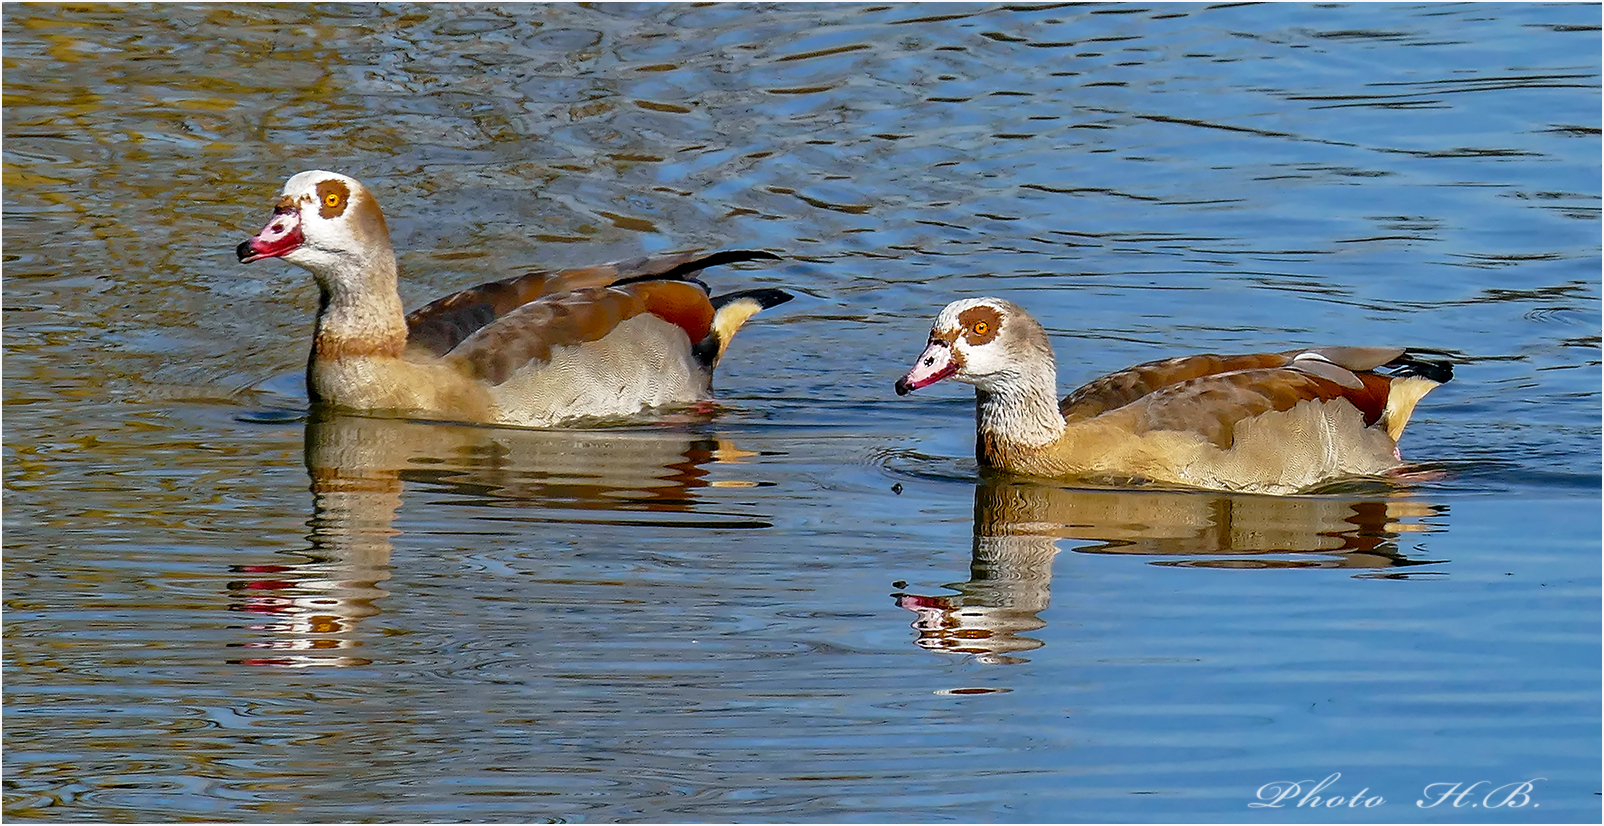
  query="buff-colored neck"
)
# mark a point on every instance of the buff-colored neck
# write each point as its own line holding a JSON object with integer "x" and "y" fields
{"x": 1020, "y": 411}
{"x": 359, "y": 312}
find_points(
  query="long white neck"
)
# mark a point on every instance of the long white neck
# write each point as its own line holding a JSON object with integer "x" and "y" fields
{"x": 359, "y": 310}
{"x": 1021, "y": 408}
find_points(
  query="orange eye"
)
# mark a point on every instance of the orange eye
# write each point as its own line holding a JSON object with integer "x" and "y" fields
{"x": 332, "y": 199}
{"x": 981, "y": 328}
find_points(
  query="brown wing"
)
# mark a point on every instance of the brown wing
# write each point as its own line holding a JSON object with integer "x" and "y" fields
{"x": 498, "y": 350}
{"x": 1118, "y": 389}
{"x": 1212, "y": 405}
{"x": 1115, "y": 390}
{"x": 439, "y": 326}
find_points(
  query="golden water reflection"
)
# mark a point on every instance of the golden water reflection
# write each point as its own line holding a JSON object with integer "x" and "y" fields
{"x": 1018, "y": 526}
{"x": 310, "y": 603}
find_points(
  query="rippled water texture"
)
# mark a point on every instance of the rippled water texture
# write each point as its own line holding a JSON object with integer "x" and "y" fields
{"x": 807, "y": 606}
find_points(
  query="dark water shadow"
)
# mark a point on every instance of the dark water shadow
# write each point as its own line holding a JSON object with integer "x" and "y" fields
{"x": 1018, "y": 527}
{"x": 311, "y": 602}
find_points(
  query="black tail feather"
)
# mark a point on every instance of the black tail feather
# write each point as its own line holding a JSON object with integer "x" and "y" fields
{"x": 709, "y": 349}
{"x": 765, "y": 297}
{"x": 1412, "y": 363}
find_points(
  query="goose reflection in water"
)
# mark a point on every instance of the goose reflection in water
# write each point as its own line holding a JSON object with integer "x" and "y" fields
{"x": 360, "y": 466}
{"x": 1018, "y": 526}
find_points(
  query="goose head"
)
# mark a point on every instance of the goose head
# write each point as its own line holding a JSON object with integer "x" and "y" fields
{"x": 324, "y": 222}
{"x": 990, "y": 343}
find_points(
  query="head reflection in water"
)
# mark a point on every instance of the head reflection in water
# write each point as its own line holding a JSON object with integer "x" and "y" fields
{"x": 1019, "y": 525}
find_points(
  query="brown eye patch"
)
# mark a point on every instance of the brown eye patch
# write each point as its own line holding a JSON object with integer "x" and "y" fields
{"x": 980, "y": 324}
{"x": 331, "y": 198}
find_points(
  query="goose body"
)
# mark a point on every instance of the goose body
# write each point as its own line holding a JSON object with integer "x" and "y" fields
{"x": 536, "y": 350}
{"x": 1266, "y": 423}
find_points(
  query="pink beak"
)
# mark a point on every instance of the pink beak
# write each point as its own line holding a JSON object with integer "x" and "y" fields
{"x": 934, "y": 364}
{"x": 280, "y": 236}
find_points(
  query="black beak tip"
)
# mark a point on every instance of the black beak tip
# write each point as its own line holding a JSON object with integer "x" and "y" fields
{"x": 902, "y": 387}
{"x": 244, "y": 250}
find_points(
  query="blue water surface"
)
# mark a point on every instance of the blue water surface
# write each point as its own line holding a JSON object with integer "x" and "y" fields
{"x": 809, "y": 605}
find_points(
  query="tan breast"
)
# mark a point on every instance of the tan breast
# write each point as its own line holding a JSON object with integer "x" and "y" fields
{"x": 424, "y": 386}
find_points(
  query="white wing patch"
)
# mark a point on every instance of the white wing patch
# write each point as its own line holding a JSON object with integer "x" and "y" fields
{"x": 1319, "y": 366}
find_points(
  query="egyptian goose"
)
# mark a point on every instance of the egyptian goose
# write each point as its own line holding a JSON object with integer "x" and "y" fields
{"x": 534, "y": 350}
{"x": 1264, "y": 423}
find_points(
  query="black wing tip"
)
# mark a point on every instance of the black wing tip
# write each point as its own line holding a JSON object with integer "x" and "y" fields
{"x": 765, "y": 297}
{"x": 748, "y": 255}
{"x": 683, "y": 272}
{"x": 718, "y": 259}
{"x": 1412, "y": 363}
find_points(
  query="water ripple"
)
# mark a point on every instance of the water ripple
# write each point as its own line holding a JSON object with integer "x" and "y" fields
{"x": 794, "y": 607}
